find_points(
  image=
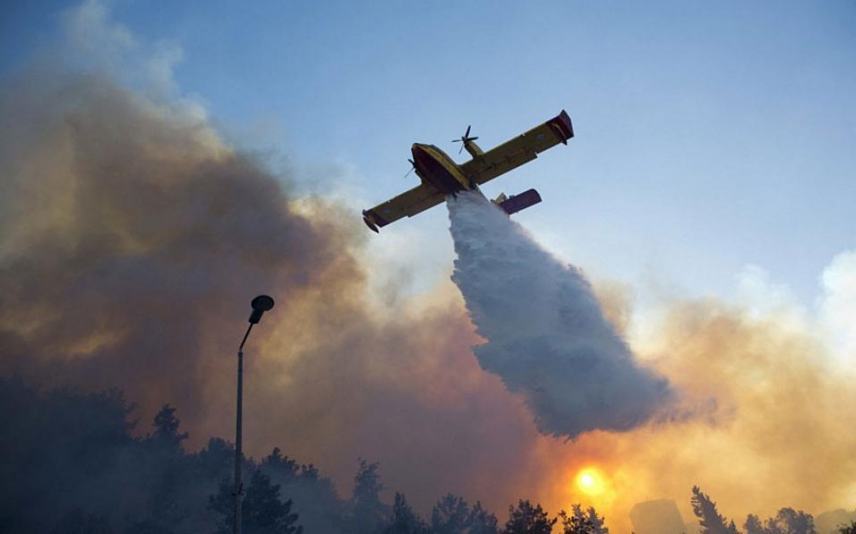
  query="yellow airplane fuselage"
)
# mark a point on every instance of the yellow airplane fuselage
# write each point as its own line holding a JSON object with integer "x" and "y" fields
{"x": 434, "y": 166}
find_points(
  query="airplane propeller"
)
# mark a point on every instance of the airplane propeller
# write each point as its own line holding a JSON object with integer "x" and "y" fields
{"x": 412, "y": 167}
{"x": 464, "y": 139}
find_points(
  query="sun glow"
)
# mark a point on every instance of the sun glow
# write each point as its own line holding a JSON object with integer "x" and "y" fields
{"x": 590, "y": 481}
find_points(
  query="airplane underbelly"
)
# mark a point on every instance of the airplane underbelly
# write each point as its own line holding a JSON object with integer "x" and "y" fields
{"x": 439, "y": 176}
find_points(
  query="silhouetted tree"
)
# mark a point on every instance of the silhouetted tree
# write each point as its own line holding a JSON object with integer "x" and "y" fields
{"x": 169, "y": 474}
{"x": 215, "y": 458}
{"x": 368, "y": 513}
{"x": 753, "y": 525}
{"x": 528, "y": 519}
{"x": 709, "y": 519}
{"x": 321, "y": 510}
{"x": 56, "y": 445}
{"x": 262, "y": 511}
{"x": 309, "y": 471}
{"x": 282, "y": 466}
{"x": 582, "y": 522}
{"x": 451, "y": 515}
{"x": 795, "y": 521}
{"x": 166, "y": 429}
{"x": 404, "y": 520}
{"x": 787, "y": 521}
{"x": 74, "y": 451}
{"x": 481, "y": 521}
{"x": 848, "y": 529}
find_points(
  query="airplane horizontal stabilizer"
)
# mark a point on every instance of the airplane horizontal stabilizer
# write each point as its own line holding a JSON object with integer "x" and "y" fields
{"x": 515, "y": 203}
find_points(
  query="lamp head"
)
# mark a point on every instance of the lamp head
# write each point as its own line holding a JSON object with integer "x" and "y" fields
{"x": 260, "y": 304}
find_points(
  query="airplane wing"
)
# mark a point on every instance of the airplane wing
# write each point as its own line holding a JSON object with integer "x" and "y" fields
{"x": 517, "y": 151}
{"x": 408, "y": 204}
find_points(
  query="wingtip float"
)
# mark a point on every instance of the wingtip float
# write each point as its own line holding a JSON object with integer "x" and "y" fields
{"x": 441, "y": 176}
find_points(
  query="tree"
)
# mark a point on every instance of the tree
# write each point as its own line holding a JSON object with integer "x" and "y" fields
{"x": 214, "y": 461}
{"x": 166, "y": 429}
{"x": 848, "y": 529}
{"x": 787, "y": 521}
{"x": 404, "y": 520}
{"x": 262, "y": 511}
{"x": 61, "y": 450}
{"x": 368, "y": 513}
{"x": 321, "y": 510}
{"x": 753, "y": 525}
{"x": 169, "y": 473}
{"x": 792, "y": 521}
{"x": 481, "y": 521}
{"x": 283, "y": 466}
{"x": 288, "y": 469}
{"x": 451, "y": 515}
{"x": 528, "y": 519}
{"x": 709, "y": 519}
{"x": 582, "y": 522}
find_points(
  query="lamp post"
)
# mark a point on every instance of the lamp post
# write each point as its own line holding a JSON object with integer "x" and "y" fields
{"x": 260, "y": 304}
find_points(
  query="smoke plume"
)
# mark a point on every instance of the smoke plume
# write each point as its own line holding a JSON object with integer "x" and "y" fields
{"x": 546, "y": 334}
{"x": 130, "y": 230}
{"x": 131, "y": 240}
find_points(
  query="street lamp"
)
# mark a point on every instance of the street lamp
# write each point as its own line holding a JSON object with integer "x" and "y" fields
{"x": 260, "y": 304}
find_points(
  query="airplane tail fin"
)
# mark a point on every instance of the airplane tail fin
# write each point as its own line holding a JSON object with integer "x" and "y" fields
{"x": 516, "y": 203}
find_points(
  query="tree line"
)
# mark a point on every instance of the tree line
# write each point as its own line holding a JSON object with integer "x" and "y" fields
{"x": 786, "y": 521}
{"x": 73, "y": 464}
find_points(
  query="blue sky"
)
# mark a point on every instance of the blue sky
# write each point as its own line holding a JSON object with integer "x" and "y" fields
{"x": 710, "y": 136}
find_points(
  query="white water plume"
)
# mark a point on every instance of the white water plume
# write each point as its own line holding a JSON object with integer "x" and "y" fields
{"x": 547, "y": 337}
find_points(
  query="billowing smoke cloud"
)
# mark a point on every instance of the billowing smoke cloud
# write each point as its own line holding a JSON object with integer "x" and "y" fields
{"x": 546, "y": 334}
{"x": 783, "y": 422}
{"x": 131, "y": 240}
{"x": 129, "y": 230}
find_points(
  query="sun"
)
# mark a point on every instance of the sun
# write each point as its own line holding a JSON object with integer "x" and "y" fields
{"x": 590, "y": 481}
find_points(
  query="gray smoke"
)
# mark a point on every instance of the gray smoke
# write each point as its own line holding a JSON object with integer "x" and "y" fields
{"x": 131, "y": 240}
{"x": 547, "y": 337}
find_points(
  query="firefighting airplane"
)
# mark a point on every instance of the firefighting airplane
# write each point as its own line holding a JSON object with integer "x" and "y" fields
{"x": 441, "y": 176}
